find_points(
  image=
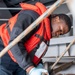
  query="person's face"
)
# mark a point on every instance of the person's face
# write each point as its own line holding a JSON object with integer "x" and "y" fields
{"x": 59, "y": 27}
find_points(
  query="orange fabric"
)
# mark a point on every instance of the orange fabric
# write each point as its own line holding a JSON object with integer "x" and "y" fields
{"x": 5, "y": 38}
{"x": 12, "y": 21}
{"x": 30, "y": 44}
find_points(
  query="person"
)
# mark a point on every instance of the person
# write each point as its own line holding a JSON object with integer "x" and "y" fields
{"x": 25, "y": 56}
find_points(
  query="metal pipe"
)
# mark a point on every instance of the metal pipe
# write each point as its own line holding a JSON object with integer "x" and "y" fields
{"x": 4, "y": 19}
{"x": 3, "y": 8}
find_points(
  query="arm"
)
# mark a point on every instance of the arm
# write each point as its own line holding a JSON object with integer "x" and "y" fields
{"x": 18, "y": 50}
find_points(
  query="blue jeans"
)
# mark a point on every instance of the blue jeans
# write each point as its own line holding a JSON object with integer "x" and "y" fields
{"x": 7, "y": 66}
{"x": 4, "y": 71}
{"x": 19, "y": 71}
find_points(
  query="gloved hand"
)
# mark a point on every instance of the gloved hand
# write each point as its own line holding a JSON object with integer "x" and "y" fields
{"x": 40, "y": 66}
{"x": 37, "y": 71}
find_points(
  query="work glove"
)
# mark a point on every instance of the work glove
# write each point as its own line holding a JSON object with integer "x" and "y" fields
{"x": 37, "y": 71}
{"x": 40, "y": 66}
{"x": 50, "y": 70}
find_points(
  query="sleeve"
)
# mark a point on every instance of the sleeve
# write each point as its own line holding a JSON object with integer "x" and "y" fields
{"x": 19, "y": 51}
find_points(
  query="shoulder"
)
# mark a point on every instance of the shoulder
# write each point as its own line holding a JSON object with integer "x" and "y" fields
{"x": 29, "y": 13}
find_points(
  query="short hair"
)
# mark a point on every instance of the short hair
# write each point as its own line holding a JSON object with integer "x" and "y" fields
{"x": 65, "y": 18}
